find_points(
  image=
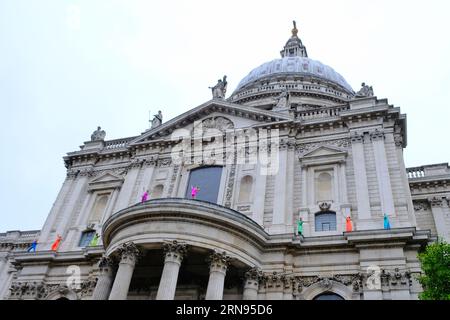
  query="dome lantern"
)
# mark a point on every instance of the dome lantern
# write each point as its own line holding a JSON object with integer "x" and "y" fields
{"x": 294, "y": 46}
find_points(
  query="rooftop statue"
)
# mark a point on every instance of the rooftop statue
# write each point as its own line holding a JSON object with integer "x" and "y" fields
{"x": 365, "y": 91}
{"x": 219, "y": 90}
{"x": 282, "y": 100}
{"x": 157, "y": 120}
{"x": 98, "y": 134}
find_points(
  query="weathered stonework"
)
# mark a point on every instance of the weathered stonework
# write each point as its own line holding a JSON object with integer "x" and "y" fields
{"x": 340, "y": 154}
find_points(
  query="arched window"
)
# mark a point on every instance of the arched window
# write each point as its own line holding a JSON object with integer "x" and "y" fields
{"x": 324, "y": 186}
{"x": 99, "y": 208}
{"x": 325, "y": 221}
{"x": 328, "y": 296}
{"x": 207, "y": 179}
{"x": 86, "y": 237}
{"x": 157, "y": 192}
{"x": 245, "y": 190}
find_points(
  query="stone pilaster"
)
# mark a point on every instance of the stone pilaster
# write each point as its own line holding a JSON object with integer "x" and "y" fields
{"x": 105, "y": 279}
{"x": 280, "y": 202}
{"x": 218, "y": 264}
{"x": 174, "y": 254}
{"x": 251, "y": 284}
{"x": 288, "y": 290}
{"x": 127, "y": 188}
{"x": 128, "y": 254}
{"x": 382, "y": 169}
{"x": 437, "y": 204}
{"x": 275, "y": 286}
{"x": 362, "y": 190}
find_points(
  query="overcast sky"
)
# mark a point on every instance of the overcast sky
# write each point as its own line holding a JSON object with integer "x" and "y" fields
{"x": 68, "y": 66}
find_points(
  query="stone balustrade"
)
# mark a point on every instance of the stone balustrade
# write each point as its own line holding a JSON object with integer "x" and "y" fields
{"x": 117, "y": 143}
{"x": 320, "y": 113}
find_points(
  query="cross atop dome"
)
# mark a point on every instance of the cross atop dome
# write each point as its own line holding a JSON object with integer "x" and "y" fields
{"x": 294, "y": 46}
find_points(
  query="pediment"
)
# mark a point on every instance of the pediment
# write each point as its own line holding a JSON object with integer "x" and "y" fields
{"x": 218, "y": 113}
{"x": 323, "y": 151}
{"x": 106, "y": 177}
{"x": 106, "y": 181}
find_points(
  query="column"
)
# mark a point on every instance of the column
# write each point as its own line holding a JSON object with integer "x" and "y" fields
{"x": 57, "y": 206}
{"x": 144, "y": 184}
{"x": 128, "y": 254}
{"x": 218, "y": 264}
{"x": 362, "y": 190}
{"x": 251, "y": 284}
{"x": 280, "y": 189}
{"x": 174, "y": 254}
{"x": 382, "y": 169}
{"x": 126, "y": 190}
{"x": 439, "y": 217}
{"x": 398, "y": 140}
{"x": 259, "y": 194}
{"x": 102, "y": 289}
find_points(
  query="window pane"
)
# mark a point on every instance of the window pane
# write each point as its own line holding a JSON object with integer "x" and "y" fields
{"x": 325, "y": 221}
{"x": 86, "y": 238}
{"x": 208, "y": 181}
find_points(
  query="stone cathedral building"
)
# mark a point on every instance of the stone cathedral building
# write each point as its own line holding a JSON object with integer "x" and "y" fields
{"x": 338, "y": 154}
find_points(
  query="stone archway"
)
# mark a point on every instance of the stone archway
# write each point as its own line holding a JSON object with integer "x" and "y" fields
{"x": 331, "y": 287}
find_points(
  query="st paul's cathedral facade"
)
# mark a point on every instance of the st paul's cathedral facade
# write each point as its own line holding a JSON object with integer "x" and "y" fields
{"x": 281, "y": 191}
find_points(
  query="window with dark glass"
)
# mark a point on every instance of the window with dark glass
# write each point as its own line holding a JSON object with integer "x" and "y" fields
{"x": 328, "y": 296}
{"x": 325, "y": 221}
{"x": 207, "y": 179}
{"x": 86, "y": 237}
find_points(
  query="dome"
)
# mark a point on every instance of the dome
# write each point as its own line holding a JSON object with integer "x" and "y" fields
{"x": 297, "y": 66}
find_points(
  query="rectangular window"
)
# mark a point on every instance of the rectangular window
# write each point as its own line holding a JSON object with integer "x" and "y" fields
{"x": 86, "y": 238}
{"x": 207, "y": 179}
{"x": 325, "y": 221}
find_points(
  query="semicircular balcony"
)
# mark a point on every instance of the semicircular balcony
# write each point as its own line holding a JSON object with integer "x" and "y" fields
{"x": 205, "y": 229}
{"x": 195, "y": 222}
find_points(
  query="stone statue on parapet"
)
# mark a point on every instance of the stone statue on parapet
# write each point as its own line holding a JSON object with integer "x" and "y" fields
{"x": 219, "y": 90}
{"x": 282, "y": 100}
{"x": 157, "y": 120}
{"x": 365, "y": 91}
{"x": 98, "y": 134}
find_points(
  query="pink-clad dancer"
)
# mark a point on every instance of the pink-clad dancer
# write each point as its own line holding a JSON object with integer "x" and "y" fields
{"x": 194, "y": 191}
{"x": 144, "y": 197}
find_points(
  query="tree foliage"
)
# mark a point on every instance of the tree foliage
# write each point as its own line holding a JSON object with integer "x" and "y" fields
{"x": 436, "y": 267}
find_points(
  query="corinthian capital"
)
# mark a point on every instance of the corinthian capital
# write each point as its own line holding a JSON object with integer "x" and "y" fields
{"x": 218, "y": 261}
{"x": 357, "y": 138}
{"x": 377, "y": 135}
{"x": 174, "y": 250}
{"x": 436, "y": 202}
{"x": 128, "y": 253}
{"x": 254, "y": 274}
{"x": 105, "y": 263}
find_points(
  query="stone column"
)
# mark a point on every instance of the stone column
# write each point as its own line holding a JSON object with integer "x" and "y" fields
{"x": 437, "y": 204}
{"x": 128, "y": 185}
{"x": 102, "y": 289}
{"x": 128, "y": 256}
{"x": 174, "y": 253}
{"x": 398, "y": 141}
{"x": 218, "y": 264}
{"x": 251, "y": 284}
{"x": 259, "y": 194}
{"x": 383, "y": 177}
{"x": 280, "y": 202}
{"x": 362, "y": 190}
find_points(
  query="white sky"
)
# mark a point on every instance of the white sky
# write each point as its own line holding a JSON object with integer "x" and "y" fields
{"x": 68, "y": 66}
